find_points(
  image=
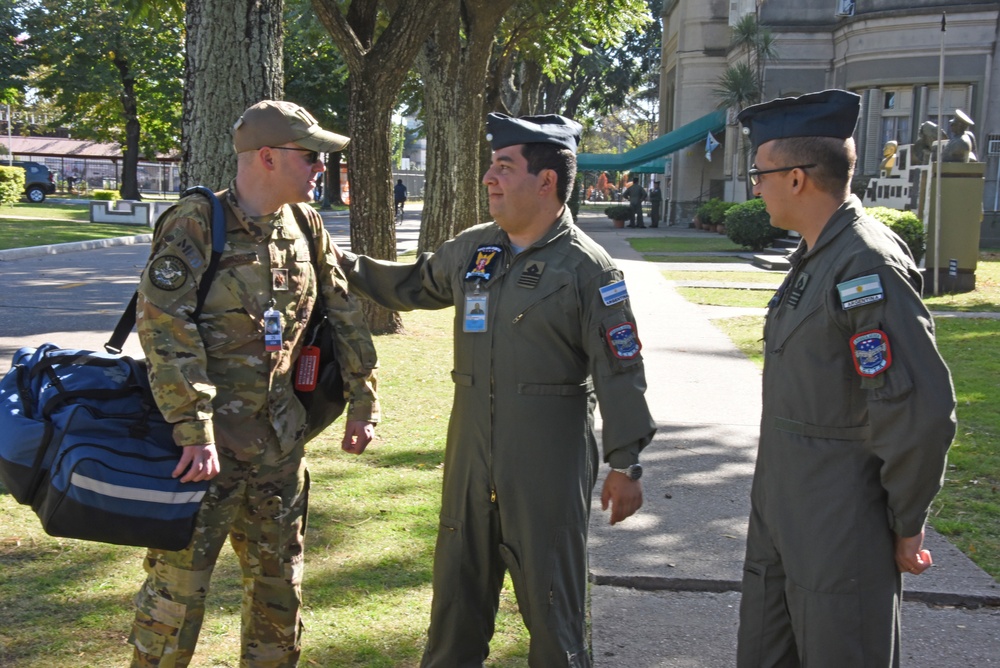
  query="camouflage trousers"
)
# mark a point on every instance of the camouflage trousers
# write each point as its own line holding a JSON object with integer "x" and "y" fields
{"x": 261, "y": 508}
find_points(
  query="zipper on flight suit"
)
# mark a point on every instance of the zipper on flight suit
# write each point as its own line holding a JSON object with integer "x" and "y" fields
{"x": 544, "y": 299}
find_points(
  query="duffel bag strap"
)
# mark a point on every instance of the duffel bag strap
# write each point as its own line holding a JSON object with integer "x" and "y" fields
{"x": 127, "y": 320}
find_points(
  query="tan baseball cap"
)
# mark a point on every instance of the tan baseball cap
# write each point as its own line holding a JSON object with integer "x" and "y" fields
{"x": 276, "y": 122}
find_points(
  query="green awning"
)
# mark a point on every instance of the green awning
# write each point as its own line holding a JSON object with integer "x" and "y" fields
{"x": 660, "y": 147}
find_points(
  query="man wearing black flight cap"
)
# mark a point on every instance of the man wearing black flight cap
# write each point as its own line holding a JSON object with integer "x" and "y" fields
{"x": 858, "y": 408}
{"x": 543, "y": 333}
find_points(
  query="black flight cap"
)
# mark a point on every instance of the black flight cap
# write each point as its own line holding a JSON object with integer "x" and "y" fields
{"x": 503, "y": 131}
{"x": 827, "y": 113}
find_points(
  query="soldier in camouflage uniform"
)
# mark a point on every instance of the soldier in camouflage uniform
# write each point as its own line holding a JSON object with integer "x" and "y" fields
{"x": 230, "y": 395}
{"x": 543, "y": 333}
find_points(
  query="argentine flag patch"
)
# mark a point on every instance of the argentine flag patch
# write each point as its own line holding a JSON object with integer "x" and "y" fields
{"x": 614, "y": 293}
{"x": 860, "y": 291}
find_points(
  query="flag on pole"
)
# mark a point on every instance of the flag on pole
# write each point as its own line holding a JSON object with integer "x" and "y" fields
{"x": 711, "y": 143}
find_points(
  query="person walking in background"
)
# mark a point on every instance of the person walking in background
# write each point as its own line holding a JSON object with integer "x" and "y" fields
{"x": 636, "y": 195}
{"x": 543, "y": 332}
{"x": 229, "y": 392}
{"x": 655, "y": 204}
{"x": 399, "y": 196}
{"x": 858, "y": 408}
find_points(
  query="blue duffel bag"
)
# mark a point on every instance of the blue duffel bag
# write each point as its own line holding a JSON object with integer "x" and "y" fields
{"x": 82, "y": 442}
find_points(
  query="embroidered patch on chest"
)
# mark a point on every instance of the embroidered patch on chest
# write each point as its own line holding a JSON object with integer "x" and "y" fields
{"x": 614, "y": 293}
{"x": 860, "y": 291}
{"x": 531, "y": 275}
{"x": 624, "y": 341}
{"x": 871, "y": 351}
{"x": 484, "y": 263}
{"x": 168, "y": 272}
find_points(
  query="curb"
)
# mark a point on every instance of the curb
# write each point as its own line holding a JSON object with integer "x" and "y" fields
{"x": 72, "y": 247}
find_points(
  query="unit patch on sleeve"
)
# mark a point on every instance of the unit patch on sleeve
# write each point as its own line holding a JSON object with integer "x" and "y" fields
{"x": 614, "y": 293}
{"x": 484, "y": 263}
{"x": 624, "y": 341}
{"x": 871, "y": 351}
{"x": 168, "y": 272}
{"x": 860, "y": 291}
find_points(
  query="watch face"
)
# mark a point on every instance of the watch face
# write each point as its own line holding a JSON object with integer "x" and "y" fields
{"x": 635, "y": 471}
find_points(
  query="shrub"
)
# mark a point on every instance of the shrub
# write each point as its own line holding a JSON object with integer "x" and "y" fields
{"x": 11, "y": 184}
{"x": 749, "y": 225}
{"x": 905, "y": 224}
{"x": 713, "y": 211}
{"x": 618, "y": 211}
{"x": 106, "y": 195}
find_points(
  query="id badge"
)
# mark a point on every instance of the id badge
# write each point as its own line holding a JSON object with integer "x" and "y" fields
{"x": 476, "y": 310}
{"x": 272, "y": 330}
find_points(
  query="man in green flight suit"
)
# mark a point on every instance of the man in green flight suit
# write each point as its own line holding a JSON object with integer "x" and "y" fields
{"x": 543, "y": 332}
{"x": 225, "y": 378}
{"x": 858, "y": 408}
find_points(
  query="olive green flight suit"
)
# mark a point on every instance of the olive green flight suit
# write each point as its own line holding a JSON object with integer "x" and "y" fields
{"x": 848, "y": 456}
{"x": 216, "y": 383}
{"x": 521, "y": 458}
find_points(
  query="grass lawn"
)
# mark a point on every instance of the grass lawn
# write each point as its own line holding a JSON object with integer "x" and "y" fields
{"x": 27, "y": 233}
{"x": 45, "y": 211}
{"x": 370, "y": 543}
{"x": 684, "y": 244}
{"x": 764, "y": 278}
{"x": 719, "y": 259}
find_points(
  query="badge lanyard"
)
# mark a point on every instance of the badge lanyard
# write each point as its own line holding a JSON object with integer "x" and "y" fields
{"x": 272, "y": 328}
{"x": 476, "y": 310}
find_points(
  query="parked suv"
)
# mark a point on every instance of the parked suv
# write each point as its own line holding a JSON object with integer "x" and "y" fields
{"x": 38, "y": 181}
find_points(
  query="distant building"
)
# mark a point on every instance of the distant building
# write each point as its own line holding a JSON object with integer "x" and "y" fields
{"x": 887, "y": 51}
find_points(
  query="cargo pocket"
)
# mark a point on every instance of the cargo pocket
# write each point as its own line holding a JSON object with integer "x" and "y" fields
{"x": 157, "y": 625}
{"x": 753, "y": 608}
{"x": 520, "y": 585}
{"x": 448, "y": 554}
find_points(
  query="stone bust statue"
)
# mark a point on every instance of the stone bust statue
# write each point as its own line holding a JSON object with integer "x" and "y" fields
{"x": 961, "y": 146}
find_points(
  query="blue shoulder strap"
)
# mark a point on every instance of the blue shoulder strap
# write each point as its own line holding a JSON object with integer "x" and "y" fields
{"x": 127, "y": 320}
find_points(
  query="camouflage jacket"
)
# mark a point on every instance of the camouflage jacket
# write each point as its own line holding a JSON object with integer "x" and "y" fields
{"x": 213, "y": 378}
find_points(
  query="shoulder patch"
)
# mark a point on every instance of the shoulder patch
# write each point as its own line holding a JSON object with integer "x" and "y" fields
{"x": 624, "y": 341}
{"x": 168, "y": 272}
{"x": 871, "y": 352}
{"x": 614, "y": 293}
{"x": 860, "y": 291}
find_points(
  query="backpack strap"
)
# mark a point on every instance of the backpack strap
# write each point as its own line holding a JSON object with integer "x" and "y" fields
{"x": 127, "y": 320}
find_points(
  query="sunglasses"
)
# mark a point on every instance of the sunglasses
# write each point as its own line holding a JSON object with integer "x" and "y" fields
{"x": 754, "y": 174}
{"x": 312, "y": 157}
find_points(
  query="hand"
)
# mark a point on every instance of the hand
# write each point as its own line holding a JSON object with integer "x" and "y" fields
{"x": 357, "y": 435}
{"x": 624, "y": 494}
{"x": 200, "y": 461}
{"x": 910, "y": 555}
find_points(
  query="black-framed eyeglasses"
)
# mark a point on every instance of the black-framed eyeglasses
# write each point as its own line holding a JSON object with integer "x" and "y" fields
{"x": 754, "y": 174}
{"x": 312, "y": 157}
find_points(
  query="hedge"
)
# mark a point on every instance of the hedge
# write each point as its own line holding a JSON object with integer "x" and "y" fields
{"x": 11, "y": 184}
{"x": 905, "y": 224}
{"x": 749, "y": 225}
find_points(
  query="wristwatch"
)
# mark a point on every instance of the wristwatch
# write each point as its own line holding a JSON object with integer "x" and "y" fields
{"x": 633, "y": 472}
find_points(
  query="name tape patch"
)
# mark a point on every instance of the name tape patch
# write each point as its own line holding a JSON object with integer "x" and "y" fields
{"x": 860, "y": 291}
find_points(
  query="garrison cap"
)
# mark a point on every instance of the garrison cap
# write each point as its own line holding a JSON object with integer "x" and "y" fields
{"x": 276, "y": 122}
{"x": 828, "y": 113}
{"x": 503, "y": 131}
{"x": 962, "y": 116}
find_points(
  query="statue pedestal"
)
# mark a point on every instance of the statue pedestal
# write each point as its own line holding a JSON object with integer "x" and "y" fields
{"x": 962, "y": 186}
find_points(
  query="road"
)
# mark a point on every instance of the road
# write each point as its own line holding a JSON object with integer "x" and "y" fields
{"x": 74, "y": 299}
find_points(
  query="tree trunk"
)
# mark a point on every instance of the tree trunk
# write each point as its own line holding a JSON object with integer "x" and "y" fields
{"x": 453, "y": 65}
{"x": 130, "y": 160}
{"x": 233, "y": 61}
{"x": 378, "y": 69}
